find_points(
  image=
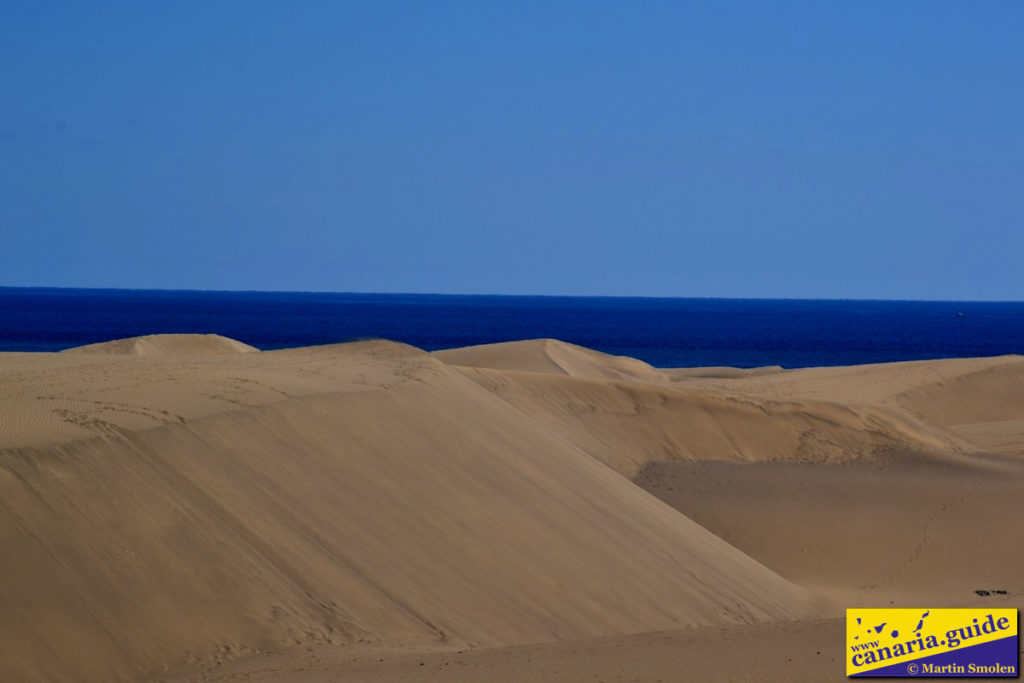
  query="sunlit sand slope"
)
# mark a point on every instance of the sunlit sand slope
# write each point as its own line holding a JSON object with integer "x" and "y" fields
{"x": 163, "y": 509}
{"x": 979, "y": 399}
{"x": 554, "y": 357}
{"x": 628, "y": 424}
{"x": 192, "y": 344}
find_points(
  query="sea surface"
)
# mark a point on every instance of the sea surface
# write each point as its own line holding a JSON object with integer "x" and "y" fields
{"x": 663, "y": 332}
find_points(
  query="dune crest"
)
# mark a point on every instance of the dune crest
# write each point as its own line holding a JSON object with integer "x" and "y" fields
{"x": 349, "y": 495}
{"x": 551, "y": 356}
{"x": 167, "y": 344}
{"x": 175, "y": 508}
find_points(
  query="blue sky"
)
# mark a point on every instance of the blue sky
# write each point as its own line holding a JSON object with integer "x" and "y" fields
{"x": 799, "y": 149}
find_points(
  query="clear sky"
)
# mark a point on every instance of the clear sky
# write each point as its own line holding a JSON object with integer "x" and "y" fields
{"x": 736, "y": 149}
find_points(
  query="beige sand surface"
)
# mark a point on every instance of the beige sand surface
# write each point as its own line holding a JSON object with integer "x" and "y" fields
{"x": 552, "y": 356}
{"x": 777, "y": 651}
{"x": 527, "y": 511}
{"x": 174, "y": 344}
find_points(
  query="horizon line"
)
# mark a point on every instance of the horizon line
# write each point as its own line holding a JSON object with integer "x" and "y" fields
{"x": 504, "y": 295}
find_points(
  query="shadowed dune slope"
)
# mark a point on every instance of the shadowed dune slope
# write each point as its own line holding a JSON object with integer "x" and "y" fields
{"x": 194, "y": 508}
{"x": 191, "y": 344}
{"x": 912, "y": 531}
{"x": 720, "y": 372}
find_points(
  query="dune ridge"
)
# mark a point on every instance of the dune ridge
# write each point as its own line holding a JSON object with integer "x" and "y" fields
{"x": 179, "y": 507}
{"x": 360, "y": 495}
{"x": 551, "y": 356}
{"x": 627, "y": 424}
{"x": 152, "y": 344}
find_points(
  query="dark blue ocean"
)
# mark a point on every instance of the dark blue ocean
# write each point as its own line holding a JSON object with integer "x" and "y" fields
{"x": 664, "y": 332}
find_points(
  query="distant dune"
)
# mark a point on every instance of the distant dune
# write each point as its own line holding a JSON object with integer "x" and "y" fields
{"x": 627, "y": 423}
{"x": 154, "y": 344}
{"x": 361, "y": 511}
{"x": 551, "y": 356}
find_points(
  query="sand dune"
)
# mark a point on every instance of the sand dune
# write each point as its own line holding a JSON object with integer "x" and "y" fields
{"x": 362, "y": 494}
{"x": 552, "y": 356}
{"x": 188, "y": 344}
{"x": 166, "y": 508}
{"x": 943, "y": 391}
{"x": 979, "y": 399}
{"x": 626, "y": 425}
